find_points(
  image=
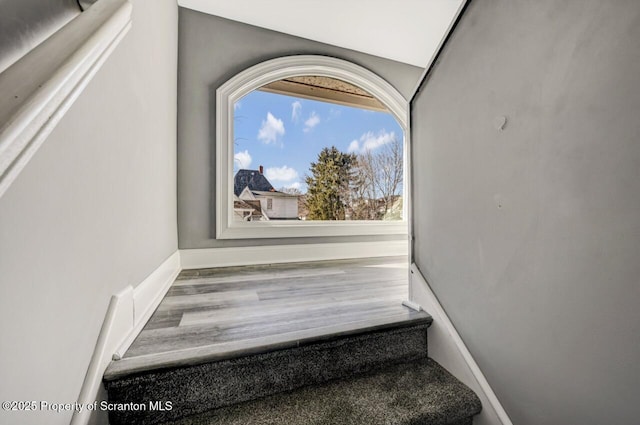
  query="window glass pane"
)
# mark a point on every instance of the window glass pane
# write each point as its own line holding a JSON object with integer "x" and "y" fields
{"x": 299, "y": 157}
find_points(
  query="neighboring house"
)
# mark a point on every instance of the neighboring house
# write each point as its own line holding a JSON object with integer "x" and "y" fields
{"x": 246, "y": 210}
{"x": 252, "y": 187}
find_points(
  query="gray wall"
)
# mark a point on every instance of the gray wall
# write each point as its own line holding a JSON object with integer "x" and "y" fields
{"x": 94, "y": 211}
{"x": 212, "y": 50}
{"x": 530, "y": 237}
{"x": 26, "y": 23}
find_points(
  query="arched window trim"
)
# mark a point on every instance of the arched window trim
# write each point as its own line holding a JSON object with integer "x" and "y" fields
{"x": 278, "y": 69}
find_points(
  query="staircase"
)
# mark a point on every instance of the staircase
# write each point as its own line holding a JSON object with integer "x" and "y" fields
{"x": 360, "y": 372}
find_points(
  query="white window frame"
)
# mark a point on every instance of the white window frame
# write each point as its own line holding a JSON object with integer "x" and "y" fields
{"x": 278, "y": 69}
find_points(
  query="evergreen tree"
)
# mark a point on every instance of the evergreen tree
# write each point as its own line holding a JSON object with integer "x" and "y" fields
{"x": 328, "y": 185}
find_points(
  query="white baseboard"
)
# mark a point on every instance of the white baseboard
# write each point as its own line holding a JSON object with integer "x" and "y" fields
{"x": 242, "y": 256}
{"x": 146, "y": 297}
{"x": 447, "y": 348}
{"x": 127, "y": 313}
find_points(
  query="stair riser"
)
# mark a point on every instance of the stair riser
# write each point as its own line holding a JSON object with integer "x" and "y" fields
{"x": 204, "y": 387}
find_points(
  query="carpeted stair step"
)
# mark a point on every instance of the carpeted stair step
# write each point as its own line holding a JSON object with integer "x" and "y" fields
{"x": 419, "y": 392}
{"x": 218, "y": 382}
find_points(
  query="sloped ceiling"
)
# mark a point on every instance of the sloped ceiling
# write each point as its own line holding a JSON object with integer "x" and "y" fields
{"x": 408, "y": 31}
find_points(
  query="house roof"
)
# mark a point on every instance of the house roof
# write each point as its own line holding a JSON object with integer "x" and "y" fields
{"x": 252, "y": 206}
{"x": 275, "y": 194}
{"x": 242, "y": 205}
{"x": 253, "y": 179}
{"x": 255, "y": 204}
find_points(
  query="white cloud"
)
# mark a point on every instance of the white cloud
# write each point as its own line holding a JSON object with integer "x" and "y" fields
{"x": 370, "y": 141}
{"x": 271, "y": 129}
{"x": 294, "y": 185}
{"x": 281, "y": 174}
{"x": 237, "y": 105}
{"x": 242, "y": 159}
{"x": 354, "y": 146}
{"x": 295, "y": 110}
{"x": 312, "y": 121}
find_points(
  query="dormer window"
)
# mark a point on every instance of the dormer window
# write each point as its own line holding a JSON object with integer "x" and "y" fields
{"x": 330, "y": 138}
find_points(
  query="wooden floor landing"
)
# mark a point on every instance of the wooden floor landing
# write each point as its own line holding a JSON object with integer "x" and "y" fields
{"x": 225, "y": 312}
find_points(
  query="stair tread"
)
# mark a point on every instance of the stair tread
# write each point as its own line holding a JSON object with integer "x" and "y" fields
{"x": 410, "y": 393}
{"x": 233, "y": 349}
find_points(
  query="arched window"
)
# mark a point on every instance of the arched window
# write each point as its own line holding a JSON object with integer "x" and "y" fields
{"x": 279, "y": 176}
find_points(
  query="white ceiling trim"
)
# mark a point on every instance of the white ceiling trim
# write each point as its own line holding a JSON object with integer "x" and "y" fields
{"x": 409, "y": 31}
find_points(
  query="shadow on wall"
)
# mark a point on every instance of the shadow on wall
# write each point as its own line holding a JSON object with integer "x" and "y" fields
{"x": 26, "y": 23}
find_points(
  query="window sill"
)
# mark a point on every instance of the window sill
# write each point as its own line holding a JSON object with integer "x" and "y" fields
{"x": 40, "y": 88}
{"x": 297, "y": 229}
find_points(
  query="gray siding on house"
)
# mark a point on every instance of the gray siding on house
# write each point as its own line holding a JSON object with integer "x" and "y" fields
{"x": 94, "y": 211}
{"x": 530, "y": 236}
{"x": 212, "y": 50}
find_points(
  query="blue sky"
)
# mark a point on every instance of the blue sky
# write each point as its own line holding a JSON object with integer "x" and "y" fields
{"x": 285, "y": 134}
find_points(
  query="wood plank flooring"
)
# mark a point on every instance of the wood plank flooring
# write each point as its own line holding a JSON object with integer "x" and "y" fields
{"x": 213, "y": 313}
